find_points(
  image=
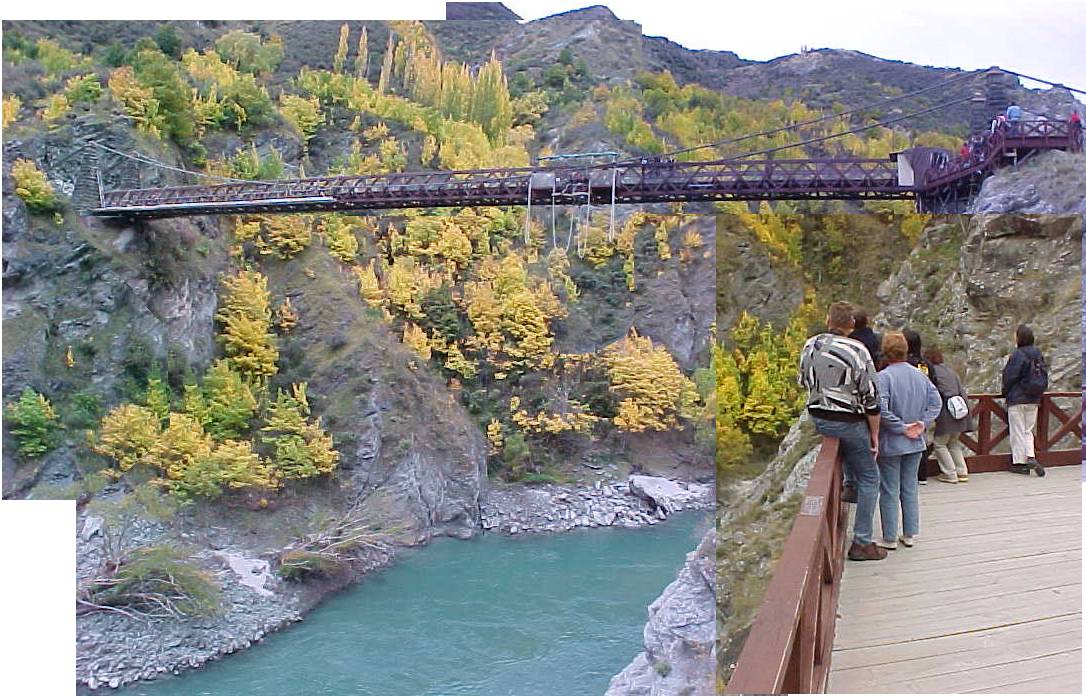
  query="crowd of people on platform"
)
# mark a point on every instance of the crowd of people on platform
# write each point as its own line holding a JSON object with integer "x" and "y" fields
{"x": 975, "y": 149}
{"x": 890, "y": 404}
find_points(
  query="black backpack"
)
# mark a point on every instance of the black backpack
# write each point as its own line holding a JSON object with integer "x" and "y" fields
{"x": 1035, "y": 380}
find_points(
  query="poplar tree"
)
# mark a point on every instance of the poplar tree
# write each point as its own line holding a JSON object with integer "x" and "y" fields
{"x": 340, "y": 59}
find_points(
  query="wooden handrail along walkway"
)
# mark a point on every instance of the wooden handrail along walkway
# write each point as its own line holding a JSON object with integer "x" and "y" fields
{"x": 790, "y": 643}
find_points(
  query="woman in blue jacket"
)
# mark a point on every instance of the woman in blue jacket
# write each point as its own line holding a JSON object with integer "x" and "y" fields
{"x": 909, "y": 404}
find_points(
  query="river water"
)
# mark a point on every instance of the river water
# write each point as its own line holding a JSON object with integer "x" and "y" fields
{"x": 542, "y": 615}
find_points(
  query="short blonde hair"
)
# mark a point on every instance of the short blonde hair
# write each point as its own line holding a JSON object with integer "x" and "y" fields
{"x": 894, "y": 346}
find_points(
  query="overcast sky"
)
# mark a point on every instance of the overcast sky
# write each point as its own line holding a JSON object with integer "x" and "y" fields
{"x": 1045, "y": 39}
{"x": 1035, "y": 38}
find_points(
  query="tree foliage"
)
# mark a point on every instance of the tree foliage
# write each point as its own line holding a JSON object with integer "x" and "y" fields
{"x": 249, "y": 52}
{"x": 12, "y": 105}
{"x": 653, "y": 392}
{"x": 32, "y": 186}
{"x": 301, "y": 448}
{"x": 245, "y": 315}
{"x": 33, "y": 422}
{"x": 304, "y": 115}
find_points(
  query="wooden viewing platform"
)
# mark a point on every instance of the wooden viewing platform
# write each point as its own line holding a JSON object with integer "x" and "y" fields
{"x": 988, "y": 600}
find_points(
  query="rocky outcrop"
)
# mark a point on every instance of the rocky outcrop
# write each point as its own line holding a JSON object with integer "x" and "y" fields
{"x": 1049, "y": 183}
{"x": 749, "y": 280}
{"x": 554, "y": 508}
{"x": 116, "y": 296}
{"x": 968, "y": 284}
{"x": 679, "y": 636}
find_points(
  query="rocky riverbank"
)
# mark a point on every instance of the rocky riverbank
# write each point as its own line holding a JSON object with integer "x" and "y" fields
{"x": 638, "y": 502}
{"x": 114, "y": 650}
{"x": 678, "y": 659}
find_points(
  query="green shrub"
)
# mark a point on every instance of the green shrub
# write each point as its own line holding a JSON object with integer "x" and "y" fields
{"x": 83, "y": 88}
{"x": 299, "y": 565}
{"x": 158, "y": 581}
{"x": 249, "y": 53}
{"x": 33, "y": 423}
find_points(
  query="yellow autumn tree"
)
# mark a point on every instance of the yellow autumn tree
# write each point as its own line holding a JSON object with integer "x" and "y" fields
{"x": 339, "y": 236}
{"x": 32, "y": 186}
{"x": 416, "y": 339}
{"x": 12, "y": 105}
{"x": 304, "y": 115}
{"x": 228, "y": 401}
{"x": 368, "y": 285}
{"x": 245, "y": 315}
{"x": 285, "y": 317}
{"x": 340, "y": 59}
{"x": 127, "y": 434}
{"x": 653, "y": 392}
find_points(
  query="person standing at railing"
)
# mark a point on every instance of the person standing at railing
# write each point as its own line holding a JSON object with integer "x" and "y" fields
{"x": 908, "y": 402}
{"x": 1014, "y": 114}
{"x": 843, "y": 403}
{"x": 1074, "y": 130}
{"x": 915, "y": 358}
{"x": 1025, "y": 379}
{"x": 953, "y": 420}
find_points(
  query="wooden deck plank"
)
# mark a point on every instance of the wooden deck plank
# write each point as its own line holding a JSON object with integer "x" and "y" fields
{"x": 989, "y": 600}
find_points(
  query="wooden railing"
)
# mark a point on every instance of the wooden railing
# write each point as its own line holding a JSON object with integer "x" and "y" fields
{"x": 788, "y": 648}
{"x": 1054, "y": 440}
{"x": 789, "y": 645}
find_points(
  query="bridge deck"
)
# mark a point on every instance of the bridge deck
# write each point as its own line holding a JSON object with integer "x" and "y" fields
{"x": 989, "y": 599}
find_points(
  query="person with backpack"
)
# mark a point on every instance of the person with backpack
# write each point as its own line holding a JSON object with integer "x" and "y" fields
{"x": 952, "y": 421}
{"x": 1025, "y": 380}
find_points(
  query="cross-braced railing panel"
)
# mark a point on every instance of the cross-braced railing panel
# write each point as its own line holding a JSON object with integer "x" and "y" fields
{"x": 1057, "y": 439}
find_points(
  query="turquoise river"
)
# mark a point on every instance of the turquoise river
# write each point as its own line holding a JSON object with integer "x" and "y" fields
{"x": 541, "y": 615}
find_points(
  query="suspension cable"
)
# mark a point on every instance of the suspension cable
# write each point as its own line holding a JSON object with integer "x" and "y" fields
{"x": 156, "y": 163}
{"x": 1057, "y": 85}
{"x": 888, "y": 100}
{"x": 851, "y": 131}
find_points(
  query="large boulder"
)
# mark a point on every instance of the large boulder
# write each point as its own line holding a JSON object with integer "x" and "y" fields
{"x": 667, "y": 495}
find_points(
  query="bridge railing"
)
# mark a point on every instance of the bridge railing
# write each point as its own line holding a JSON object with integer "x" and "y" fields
{"x": 1057, "y": 440}
{"x": 789, "y": 645}
{"x": 790, "y": 642}
{"x": 1017, "y": 134}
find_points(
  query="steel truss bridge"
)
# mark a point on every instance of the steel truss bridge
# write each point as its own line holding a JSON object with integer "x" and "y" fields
{"x": 935, "y": 180}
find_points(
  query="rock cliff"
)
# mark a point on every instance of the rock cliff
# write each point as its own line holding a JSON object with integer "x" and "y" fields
{"x": 678, "y": 656}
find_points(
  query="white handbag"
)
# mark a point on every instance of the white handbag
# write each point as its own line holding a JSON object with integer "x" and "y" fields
{"x": 957, "y": 407}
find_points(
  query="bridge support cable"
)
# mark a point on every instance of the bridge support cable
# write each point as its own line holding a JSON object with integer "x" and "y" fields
{"x": 614, "y": 185}
{"x": 528, "y": 215}
{"x": 851, "y": 131}
{"x": 941, "y": 84}
{"x": 554, "y": 198}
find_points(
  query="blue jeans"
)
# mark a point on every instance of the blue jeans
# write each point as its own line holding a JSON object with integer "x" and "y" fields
{"x": 899, "y": 490}
{"x": 858, "y": 461}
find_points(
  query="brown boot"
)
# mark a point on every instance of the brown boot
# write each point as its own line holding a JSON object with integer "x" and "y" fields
{"x": 865, "y": 552}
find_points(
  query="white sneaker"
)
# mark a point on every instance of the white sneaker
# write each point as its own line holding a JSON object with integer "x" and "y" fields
{"x": 908, "y": 541}
{"x": 883, "y": 544}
